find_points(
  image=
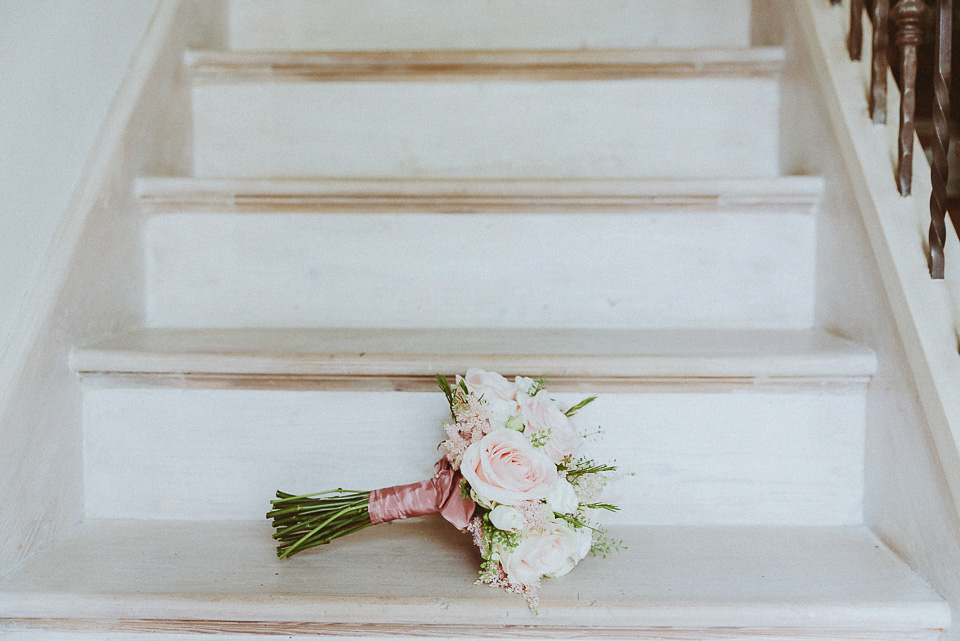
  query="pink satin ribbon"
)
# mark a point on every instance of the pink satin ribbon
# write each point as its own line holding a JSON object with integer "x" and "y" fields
{"x": 439, "y": 495}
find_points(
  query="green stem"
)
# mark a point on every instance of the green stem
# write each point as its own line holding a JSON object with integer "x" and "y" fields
{"x": 306, "y": 520}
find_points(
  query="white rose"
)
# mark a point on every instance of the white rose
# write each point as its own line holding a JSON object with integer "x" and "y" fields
{"x": 547, "y": 423}
{"x": 563, "y": 498}
{"x": 506, "y": 518}
{"x": 552, "y": 553}
{"x": 503, "y": 467}
{"x": 499, "y": 394}
{"x": 524, "y": 384}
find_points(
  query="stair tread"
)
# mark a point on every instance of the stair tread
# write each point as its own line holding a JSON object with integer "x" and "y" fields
{"x": 421, "y": 573}
{"x": 786, "y": 193}
{"x": 575, "y": 64}
{"x": 556, "y": 354}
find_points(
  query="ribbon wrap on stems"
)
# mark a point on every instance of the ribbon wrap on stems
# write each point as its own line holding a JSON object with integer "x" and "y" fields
{"x": 438, "y": 495}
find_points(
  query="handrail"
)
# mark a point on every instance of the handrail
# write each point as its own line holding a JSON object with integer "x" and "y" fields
{"x": 908, "y": 16}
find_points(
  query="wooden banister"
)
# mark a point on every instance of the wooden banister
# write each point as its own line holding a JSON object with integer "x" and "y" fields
{"x": 941, "y": 139}
{"x": 878, "y": 68}
{"x": 855, "y": 39}
{"x": 908, "y": 16}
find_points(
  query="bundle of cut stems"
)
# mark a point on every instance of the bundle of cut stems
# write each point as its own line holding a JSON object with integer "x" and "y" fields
{"x": 308, "y": 520}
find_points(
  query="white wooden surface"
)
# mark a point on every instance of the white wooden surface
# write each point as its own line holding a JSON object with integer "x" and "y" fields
{"x": 482, "y": 24}
{"x": 600, "y": 270}
{"x": 773, "y": 457}
{"x": 606, "y": 356}
{"x": 886, "y": 298}
{"x": 809, "y": 579}
{"x": 91, "y": 284}
{"x": 657, "y": 127}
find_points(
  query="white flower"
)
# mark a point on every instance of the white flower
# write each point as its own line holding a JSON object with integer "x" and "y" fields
{"x": 524, "y": 385}
{"x": 551, "y": 553}
{"x": 506, "y": 518}
{"x": 499, "y": 394}
{"x": 546, "y": 423}
{"x": 563, "y": 499}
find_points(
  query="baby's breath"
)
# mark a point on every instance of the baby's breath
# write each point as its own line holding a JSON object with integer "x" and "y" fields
{"x": 540, "y": 438}
{"x": 603, "y": 545}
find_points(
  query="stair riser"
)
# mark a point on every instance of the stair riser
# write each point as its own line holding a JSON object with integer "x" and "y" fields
{"x": 674, "y": 269}
{"x": 658, "y": 127}
{"x": 481, "y": 24}
{"x": 760, "y": 457}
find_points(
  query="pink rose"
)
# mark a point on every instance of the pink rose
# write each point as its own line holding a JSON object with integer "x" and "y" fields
{"x": 503, "y": 467}
{"x": 499, "y": 394}
{"x": 546, "y": 423}
{"x": 551, "y": 553}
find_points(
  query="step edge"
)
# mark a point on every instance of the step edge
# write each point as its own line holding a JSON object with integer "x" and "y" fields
{"x": 928, "y": 624}
{"x": 771, "y": 53}
{"x": 799, "y": 194}
{"x": 218, "y": 67}
{"x": 915, "y": 607}
{"x": 129, "y": 361}
{"x": 164, "y": 352}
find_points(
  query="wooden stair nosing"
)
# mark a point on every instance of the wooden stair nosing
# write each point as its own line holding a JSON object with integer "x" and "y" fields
{"x": 798, "y": 194}
{"x": 807, "y": 581}
{"x": 600, "y": 359}
{"x": 217, "y": 67}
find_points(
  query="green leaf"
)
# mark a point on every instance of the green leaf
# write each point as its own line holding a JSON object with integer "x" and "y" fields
{"x": 448, "y": 392}
{"x": 579, "y": 406}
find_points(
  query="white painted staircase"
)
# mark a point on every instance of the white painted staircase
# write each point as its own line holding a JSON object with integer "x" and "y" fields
{"x": 387, "y": 190}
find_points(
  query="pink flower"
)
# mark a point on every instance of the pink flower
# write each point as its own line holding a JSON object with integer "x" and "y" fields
{"x": 499, "y": 394}
{"x": 503, "y": 467}
{"x": 547, "y": 424}
{"x": 551, "y": 553}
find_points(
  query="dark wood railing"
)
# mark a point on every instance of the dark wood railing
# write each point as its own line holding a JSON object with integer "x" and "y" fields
{"x": 908, "y": 17}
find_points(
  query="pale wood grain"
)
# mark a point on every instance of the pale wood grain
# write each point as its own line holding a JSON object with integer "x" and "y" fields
{"x": 787, "y": 194}
{"x": 215, "y": 67}
{"x": 186, "y": 630}
{"x": 556, "y": 354}
{"x": 479, "y": 24}
{"x": 798, "y": 578}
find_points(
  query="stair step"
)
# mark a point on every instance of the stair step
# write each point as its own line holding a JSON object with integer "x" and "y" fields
{"x": 507, "y": 114}
{"x": 409, "y": 358}
{"x": 784, "y": 194}
{"x": 719, "y": 427}
{"x": 416, "y": 578}
{"x": 261, "y": 253}
{"x": 214, "y": 67}
{"x": 479, "y": 24}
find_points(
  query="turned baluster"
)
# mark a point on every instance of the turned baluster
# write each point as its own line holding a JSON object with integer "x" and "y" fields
{"x": 878, "y": 70}
{"x": 941, "y": 140}
{"x": 855, "y": 40}
{"x": 908, "y": 16}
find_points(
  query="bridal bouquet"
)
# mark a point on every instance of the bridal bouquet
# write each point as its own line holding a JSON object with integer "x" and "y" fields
{"x": 511, "y": 475}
